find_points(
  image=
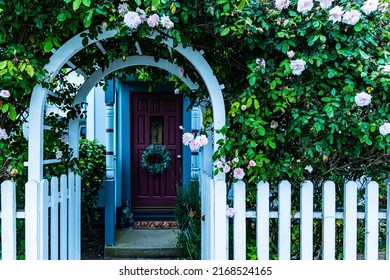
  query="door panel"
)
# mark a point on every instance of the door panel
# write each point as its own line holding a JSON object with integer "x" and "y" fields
{"x": 155, "y": 119}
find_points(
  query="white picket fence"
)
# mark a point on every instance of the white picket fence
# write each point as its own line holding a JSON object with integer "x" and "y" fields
{"x": 306, "y": 215}
{"x": 52, "y": 219}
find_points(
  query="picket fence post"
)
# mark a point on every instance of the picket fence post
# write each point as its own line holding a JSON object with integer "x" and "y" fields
{"x": 262, "y": 214}
{"x": 284, "y": 236}
{"x": 306, "y": 221}
{"x": 350, "y": 221}
{"x": 8, "y": 220}
{"x": 71, "y": 215}
{"x": 54, "y": 241}
{"x": 328, "y": 220}
{"x": 371, "y": 221}
{"x": 220, "y": 221}
{"x": 239, "y": 233}
{"x": 32, "y": 220}
{"x": 63, "y": 217}
{"x": 43, "y": 209}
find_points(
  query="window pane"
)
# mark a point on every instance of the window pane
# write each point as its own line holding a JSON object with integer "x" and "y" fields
{"x": 156, "y": 130}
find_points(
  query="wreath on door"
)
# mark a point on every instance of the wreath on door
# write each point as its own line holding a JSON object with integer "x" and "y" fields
{"x": 155, "y": 159}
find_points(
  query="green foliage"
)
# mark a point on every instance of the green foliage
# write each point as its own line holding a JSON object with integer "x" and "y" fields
{"x": 188, "y": 217}
{"x": 91, "y": 166}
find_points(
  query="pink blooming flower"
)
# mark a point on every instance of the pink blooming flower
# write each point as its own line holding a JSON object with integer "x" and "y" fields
{"x": 219, "y": 164}
{"x": 386, "y": 69}
{"x": 370, "y": 6}
{"x": 305, "y": 6}
{"x": 325, "y": 3}
{"x": 226, "y": 169}
{"x": 166, "y": 22}
{"x": 3, "y": 134}
{"x": 238, "y": 173}
{"x": 384, "y": 129}
{"x": 362, "y": 99}
{"x": 252, "y": 163}
{"x": 194, "y": 144}
{"x": 153, "y": 20}
{"x": 202, "y": 139}
{"x": 123, "y": 8}
{"x": 177, "y": 91}
{"x": 282, "y": 4}
{"x": 335, "y": 14}
{"x": 132, "y": 20}
{"x": 187, "y": 138}
{"x": 58, "y": 154}
{"x": 290, "y": 54}
{"x": 5, "y": 93}
{"x": 235, "y": 160}
{"x": 297, "y": 66}
{"x": 230, "y": 212}
{"x": 243, "y": 107}
{"x": 351, "y": 17}
{"x": 64, "y": 138}
{"x": 141, "y": 13}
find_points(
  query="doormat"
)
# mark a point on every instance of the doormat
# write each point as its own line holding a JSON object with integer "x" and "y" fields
{"x": 155, "y": 225}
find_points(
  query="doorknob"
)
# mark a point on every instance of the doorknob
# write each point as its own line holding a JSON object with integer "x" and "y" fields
{"x": 178, "y": 156}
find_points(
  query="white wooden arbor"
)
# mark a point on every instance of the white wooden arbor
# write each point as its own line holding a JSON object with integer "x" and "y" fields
{"x": 215, "y": 237}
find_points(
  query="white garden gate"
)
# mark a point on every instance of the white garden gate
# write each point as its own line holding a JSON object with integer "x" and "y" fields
{"x": 52, "y": 219}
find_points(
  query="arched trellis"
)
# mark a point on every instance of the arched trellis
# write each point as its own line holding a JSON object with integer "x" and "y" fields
{"x": 63, "y": 55}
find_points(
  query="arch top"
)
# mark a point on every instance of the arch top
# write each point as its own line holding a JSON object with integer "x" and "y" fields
{"x": 70, "y": 48}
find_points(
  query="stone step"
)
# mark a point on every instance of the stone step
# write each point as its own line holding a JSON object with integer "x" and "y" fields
{"x": 143, "y": 244}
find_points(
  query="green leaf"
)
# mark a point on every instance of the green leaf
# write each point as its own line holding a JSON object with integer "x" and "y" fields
{"x": 48, "y": 45}
{"x": 225, "y": 31}
{"x": 76, "y": 4}
{"x": 61, "y": 17}
{"x": 5, "y": 108}
{"x": 252, "y": 80}
{"x": 358, "y": 27}
{"x": 261, "y": 130}
{"x": 256, "y": 104}
{"x": 241, "y": 5}
{"x": 3, "y": 64}
{"x": 87, "y": 3}
{"x": 12, "y": 113}
{"x": 30, "y": 70}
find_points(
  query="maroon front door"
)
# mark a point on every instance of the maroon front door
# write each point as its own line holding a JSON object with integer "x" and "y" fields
{"x": 155, "y": 119}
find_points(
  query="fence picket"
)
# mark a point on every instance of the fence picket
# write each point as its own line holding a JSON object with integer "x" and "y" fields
{"x": 43, "y": 218}
{"x": 306, "y": 228}
{"x": 54, "y": 241}
{"x": 350, "y": 221}
{"x": 328, "y": 223}
{"x": 284, "y": 237}
{"x": 220, "y": 222}
{"x": 63, "y": 217}
{"x": 8, "y": 220}
{"x": 71, "y": 215}
{"x": 78, "y": 217}
{"x": 32, "y": 220}
{"x": 262, "y": 227}
{"x": 371, "y": 221}
{"x": 239, "y": 232}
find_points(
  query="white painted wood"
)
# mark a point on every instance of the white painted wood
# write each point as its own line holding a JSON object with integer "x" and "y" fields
{"x": 388, "y": 223}
{"x": 32, "y": 220}
{"x": 262, "y": 227}
{"x": 350, "y": 221}
{"x": 71, "y": 216}
{"x": 239, "y": 219}
{"x": 371, "y": 221}
{"x": 284, "y": 236}
{"x": 78, "y": 218}
{"x": 206, "y": 230}
{"x": 329, "y": 221}
{"x": 54, "y": 232}
{"x": 8, "y": 220}
{"x": 64, "y": 217}
{"x": 220, "y": 221}
{"x": 43, "y": 220}
{"x": 306, "y": 221}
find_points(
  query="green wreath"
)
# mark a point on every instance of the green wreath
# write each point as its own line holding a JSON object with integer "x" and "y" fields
{"x": 155, "y": 159}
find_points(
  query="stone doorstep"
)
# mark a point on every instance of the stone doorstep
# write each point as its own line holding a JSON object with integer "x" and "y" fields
{"x": 143, "y": 244}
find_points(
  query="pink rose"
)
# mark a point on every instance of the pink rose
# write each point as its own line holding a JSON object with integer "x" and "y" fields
{"x": 238, "y": 173}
